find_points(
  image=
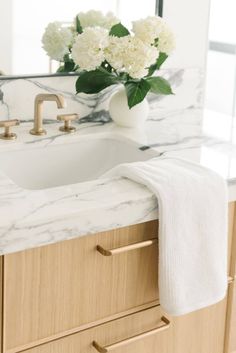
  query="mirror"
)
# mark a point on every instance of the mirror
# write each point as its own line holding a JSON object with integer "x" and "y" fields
{"x": 23, "y": 22}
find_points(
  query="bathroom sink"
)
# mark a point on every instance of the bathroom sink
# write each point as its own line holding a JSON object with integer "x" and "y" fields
{"x": 85, "y": 159}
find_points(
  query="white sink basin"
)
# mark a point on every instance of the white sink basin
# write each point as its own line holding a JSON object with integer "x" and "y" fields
{"x": 86, "y": 159}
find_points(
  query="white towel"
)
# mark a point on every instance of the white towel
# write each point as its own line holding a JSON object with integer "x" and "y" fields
{"x": 193, "y": 206}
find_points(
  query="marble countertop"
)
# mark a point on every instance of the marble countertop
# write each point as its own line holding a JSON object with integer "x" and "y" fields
{"x": 31, "y": 218}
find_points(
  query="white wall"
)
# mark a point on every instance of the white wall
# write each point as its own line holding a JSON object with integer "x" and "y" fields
{"x": 6, "y": 36}
{"x": 189, "y": 20}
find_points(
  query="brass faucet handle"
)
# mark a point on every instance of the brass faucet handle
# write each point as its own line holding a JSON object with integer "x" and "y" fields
{"x": 7, "y": 125}
{"x": 67, "y": 118}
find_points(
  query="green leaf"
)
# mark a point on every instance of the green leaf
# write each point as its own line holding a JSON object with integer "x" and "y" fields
{"x": 78, "y": 26}
{"x": 136, "y": 91}
{"x": 159, "y": 85}
{"x": 69, "y": 66}
{"x": 152, "y": 69}
{"x": 119, "y": 30}
{"x": 94, "y": 81}
{"x": 61, "y": 68}
{"x": 105, "y": 65}
{"x": 160, "y": 60}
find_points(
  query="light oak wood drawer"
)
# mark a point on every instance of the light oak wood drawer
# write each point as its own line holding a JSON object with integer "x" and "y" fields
{"x": 230, "y": 339}
{"x": 53, "y": 290}
{"x": 148, "y": 331}
{"x": 137, "y": 333}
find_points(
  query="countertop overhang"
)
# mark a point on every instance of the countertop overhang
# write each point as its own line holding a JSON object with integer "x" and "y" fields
{"x": 32, "y": 218}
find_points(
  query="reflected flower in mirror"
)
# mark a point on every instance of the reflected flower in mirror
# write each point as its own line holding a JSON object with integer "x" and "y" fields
{"x": 105, "y": 53}
{"x": 57, "y": 41}
{"x": 58, "y": 38}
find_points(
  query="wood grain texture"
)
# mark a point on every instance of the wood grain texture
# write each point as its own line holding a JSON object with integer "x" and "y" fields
{"x": 199, "y": 332}
{"x": 232, "y": 240}
{"x": 230, "y": 337}
{"x": 57, "y": 290}
{"x": 231, "y": 235}
{"x": 53, "y": 289}
{"x": 230, "y": 328}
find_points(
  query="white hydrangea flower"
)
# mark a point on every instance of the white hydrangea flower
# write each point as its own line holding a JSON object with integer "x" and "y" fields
{"x": 88, "y": 49}
{"x": 138, "y": 57}
{"x": 56, "y": 40}
{"x": 148, "y": 29}
{"x": 130, "y": 54}
{"x": 115, "y": 51}
{"x": 94, "y": 18}
{"x": 154, "y": 30}
{"x": 166, "y": 41}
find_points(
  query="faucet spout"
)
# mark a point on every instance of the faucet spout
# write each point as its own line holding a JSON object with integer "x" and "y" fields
{"x": 38, "y": 107}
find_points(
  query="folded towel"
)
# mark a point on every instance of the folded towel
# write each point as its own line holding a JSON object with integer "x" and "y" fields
{"x": 193, "y": 206}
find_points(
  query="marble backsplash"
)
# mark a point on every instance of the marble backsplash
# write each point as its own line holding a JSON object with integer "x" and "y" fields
{"x": 17, "y": 96}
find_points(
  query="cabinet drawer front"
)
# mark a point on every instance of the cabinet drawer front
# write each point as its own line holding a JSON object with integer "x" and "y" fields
{"x": 137, "y": 333}
{"x": 57, "y": 288}
{"x": 148, "y": 331}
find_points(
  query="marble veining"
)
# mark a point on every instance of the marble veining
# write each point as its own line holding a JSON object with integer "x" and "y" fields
{"x": 17, "y": 95}
{"x": 34, "y": 218}
{"x": 31, "y": 218}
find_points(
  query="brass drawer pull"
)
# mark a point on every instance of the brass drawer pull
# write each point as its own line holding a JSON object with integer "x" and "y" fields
{"x": 119, "y": 344}
{"x": 111, "y": 252}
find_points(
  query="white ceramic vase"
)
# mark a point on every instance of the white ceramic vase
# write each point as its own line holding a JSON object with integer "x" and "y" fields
{"x": 122, "y": 115}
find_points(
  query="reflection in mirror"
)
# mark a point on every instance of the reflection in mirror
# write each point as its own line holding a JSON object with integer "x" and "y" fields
{"x": 22, "y": 24}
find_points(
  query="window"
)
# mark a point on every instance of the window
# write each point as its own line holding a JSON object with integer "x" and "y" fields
{"x": 221, "y": 61}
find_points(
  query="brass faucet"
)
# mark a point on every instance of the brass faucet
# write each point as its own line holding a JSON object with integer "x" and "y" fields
{"x": 38, "y": 105}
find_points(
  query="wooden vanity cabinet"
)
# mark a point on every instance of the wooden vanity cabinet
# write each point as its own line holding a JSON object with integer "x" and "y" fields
{"x": 230, "y": 332}
{"x": 148, "y": 332}
{"x": 60, "y": 298}
{"x": 230, "y": 338}
{"x": 56, "y": 289}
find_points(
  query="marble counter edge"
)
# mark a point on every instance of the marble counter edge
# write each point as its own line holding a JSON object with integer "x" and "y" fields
{"x": 135, "y": 206}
